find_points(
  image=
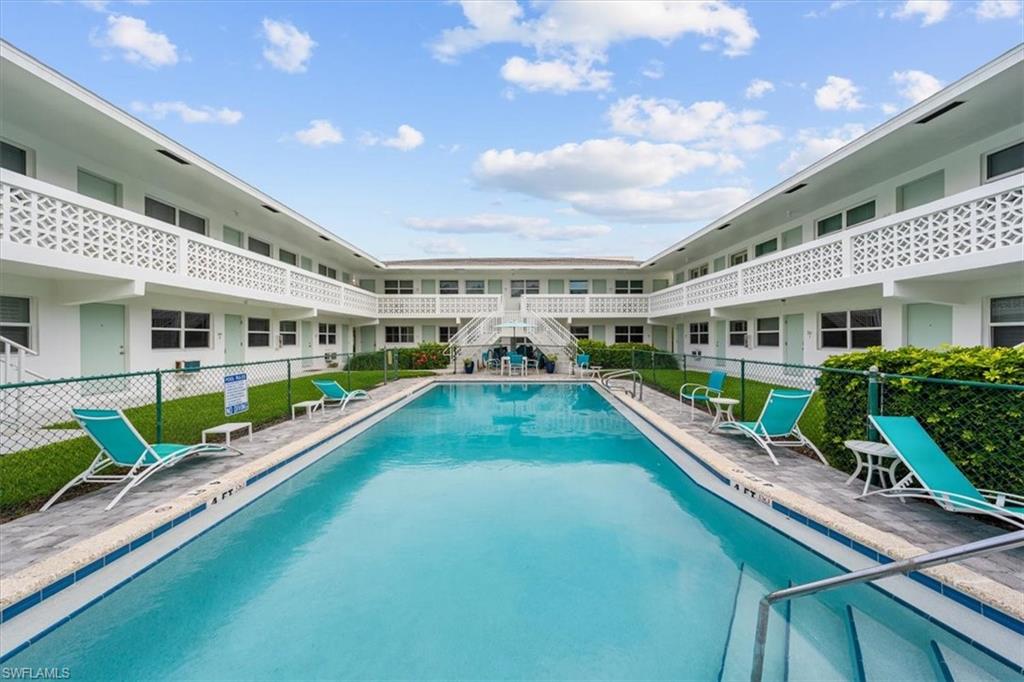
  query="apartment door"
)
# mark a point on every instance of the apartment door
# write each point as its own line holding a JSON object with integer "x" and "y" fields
{"x": 101, "y": 328}
{"x": 234, "y": 340}
{"x": 367, "y": 338}
{"x": 929, "y": 325}
{"x": 720, "y": 342}
{"x": 307, "y": 343}
{"x": 793, "y": 341}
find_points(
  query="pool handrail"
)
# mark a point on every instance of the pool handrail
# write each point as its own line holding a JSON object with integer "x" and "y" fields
{"x": 634, "y": 375}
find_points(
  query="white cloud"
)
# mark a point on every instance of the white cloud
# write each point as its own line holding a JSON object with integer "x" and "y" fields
{"x": 834, "y": 6}
{"x": 655, "y": 70}
{"x": 204, "y": 114}
{"x": 838, "y": 93}
{"x": 528, "y": 227}
{"x": 288, "y": 49}
{"x": 889, "y": 109}
{"x": 555, "y": 75}
{"x": 916, "y": 85}
{"x": 611, "y": 177}
{"x": 998, "y": 9}
{"x": 137, "y": 43}
{"x": 406, "y": 139}
{"x": 440, "y": 247}
{"x": 578, "y": 34}
{"x": 758, "y": 88}
{"x": 704, "y": 123}
{"x": 930, "y": 11}
{"x": 319, "y": 133}
{"x": 812, "y": 145}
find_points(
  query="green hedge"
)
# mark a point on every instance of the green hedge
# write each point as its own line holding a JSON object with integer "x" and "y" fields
{"x": 627, "y": 355}
{"x": 427, "y": 355}
{"x": 980, "y": 428}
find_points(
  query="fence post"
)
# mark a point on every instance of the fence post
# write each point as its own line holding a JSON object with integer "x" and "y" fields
{"x": 348, "y": 368}
{"x": 632, "y": 359}
{"x": 874, "y": 403}
{"x": 684, "y": 368}
{"x": 654, "y": 370}
{"x": 743, "y": 389}
{"x": 159, "y": 407}
{"x": 288, "y": 405}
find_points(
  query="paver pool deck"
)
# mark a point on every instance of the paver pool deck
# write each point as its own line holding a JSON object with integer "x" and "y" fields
{"x": 38, "y": 536}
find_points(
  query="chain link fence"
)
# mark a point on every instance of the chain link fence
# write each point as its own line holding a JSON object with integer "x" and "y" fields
{"x": 979, "y": 425}
{"x": 42, "y": 447}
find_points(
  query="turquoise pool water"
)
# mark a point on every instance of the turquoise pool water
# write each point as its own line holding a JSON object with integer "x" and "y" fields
{"x": 492, "y": 532}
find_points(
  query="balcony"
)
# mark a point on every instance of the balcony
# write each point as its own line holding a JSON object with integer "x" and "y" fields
{"x": 980, "y": 227}
{"x": 580, "y": 306}
{"x": 425, "y": 305}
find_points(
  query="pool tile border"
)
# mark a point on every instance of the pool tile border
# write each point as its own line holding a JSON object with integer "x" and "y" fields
{"x": 34, "y": 584}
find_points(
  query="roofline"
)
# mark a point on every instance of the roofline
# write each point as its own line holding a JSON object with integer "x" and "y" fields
{"x": 89, "y": 98}
{"x": 1004, "y": 61}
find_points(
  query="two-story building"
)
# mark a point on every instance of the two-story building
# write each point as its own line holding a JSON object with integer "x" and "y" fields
{"x": 121, "y": 249}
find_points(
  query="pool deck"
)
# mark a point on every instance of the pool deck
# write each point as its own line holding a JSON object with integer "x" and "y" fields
{"x": 46, "y": 539}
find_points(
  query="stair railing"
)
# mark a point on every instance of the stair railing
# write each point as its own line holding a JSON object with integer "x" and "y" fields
{"x": 999, "y": 543}
{"x": 13, "y": 348}
{"x": 636, "y": 378}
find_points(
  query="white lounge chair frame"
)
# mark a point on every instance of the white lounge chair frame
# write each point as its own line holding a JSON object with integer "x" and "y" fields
{"x": 766, "y": 440}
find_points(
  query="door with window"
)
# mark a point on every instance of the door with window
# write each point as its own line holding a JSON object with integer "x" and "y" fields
{"x": 793, "y": 342}
{"x": 234, "y": 340}
{"x": 101, "y": 328}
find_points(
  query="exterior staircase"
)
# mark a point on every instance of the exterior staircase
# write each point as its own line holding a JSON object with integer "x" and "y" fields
{"x": 484, "y": 330}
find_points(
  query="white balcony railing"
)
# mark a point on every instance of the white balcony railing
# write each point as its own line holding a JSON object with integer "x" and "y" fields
{"x": 979, "y": 220}
{"x": 435, "y": 305}
{"x": 587, "y": 305}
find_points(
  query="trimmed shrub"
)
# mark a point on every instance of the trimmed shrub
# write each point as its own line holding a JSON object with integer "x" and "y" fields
{"x": 627, "y": 355}
{"x": 981, "y": 428}
{"x": 427, "y": 355}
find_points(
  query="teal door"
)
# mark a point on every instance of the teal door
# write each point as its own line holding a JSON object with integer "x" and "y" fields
{"x": 929, "y": 325}
{"x": 720, "y": 341}
{"x": 234, "y": 344}
{"x": 367, "y": 338}
{"x": 307, "y": 343}
{"x": 793, "y": 341}
{"x": 659, "y": 335}
{"x": 102, "y": 338}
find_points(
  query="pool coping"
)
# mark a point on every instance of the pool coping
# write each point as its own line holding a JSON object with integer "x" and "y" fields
{"x": 37, "y": 582}
{"x": 999, "y": 603}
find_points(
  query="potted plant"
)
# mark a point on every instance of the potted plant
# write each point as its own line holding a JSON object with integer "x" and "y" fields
{"x": 468, "y": 364}
{"x": 549, "y": 363}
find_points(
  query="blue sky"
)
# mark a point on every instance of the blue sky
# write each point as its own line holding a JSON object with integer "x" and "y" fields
{"x": 490, "y": 129}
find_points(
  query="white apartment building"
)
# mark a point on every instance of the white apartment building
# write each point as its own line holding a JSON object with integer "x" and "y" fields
{"x": 121, "y": 250}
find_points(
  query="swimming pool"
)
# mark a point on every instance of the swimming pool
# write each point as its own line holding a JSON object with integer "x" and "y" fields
{"x": 495, "y": 531}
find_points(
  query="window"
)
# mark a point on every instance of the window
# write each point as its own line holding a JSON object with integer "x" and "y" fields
{"x": 445, "y": 334}
{"x": 860, "y": 214}
{"x": 398, "y": 335}
{"x": 718, "y": 264}
{"x": 737, "y": 332}
{"x": 98, "y": 188}
{"x": 792, "y": 237}
{"x": 699, "y": 335}
{"x": 259, "y": 332}
{"x": 175, "y": 216}
{"x": 259, "y": 246}
{"x": 738, "y": 258}
{"x": 855, "y": 329}
{"x": 768, "y": 331}
{"x": 327, "y": 271}
{"x": 177, "y": 329}
{"x": 833, "y": 223}
{"x": 766, "y": 247}
{"x": 474, "y": 287}
{"x": 629, "y": 286}
{"x": 287, "y": 257}
{"x": 15, "y": 320}
{"x": 1006, "y": 317}
{"x": 1000, "y": 163}
{"x": 327, "y": 334}
{"x": 306, "y": 263}
{"x": 580, "y": 331}
{"x": 448, "y": 287}
{"x": 13, "y": 158}
{"x": 921, "y": 191}
{"x": 579, "y": 286}
{"x": 699, "y": 271}
{"x": 232, "y": 236}
{"x": 288, "y": 332}
{"x": 524, "y": 286}
{"x": 629, "y": 334}
{"x": 398, "y": 286}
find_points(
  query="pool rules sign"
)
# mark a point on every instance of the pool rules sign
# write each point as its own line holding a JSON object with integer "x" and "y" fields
{"x": 236, "y": 394}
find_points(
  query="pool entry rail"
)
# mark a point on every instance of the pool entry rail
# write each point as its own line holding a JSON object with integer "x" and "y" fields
{"x": 999, "y": 543}
{"x": 636, "y": 389}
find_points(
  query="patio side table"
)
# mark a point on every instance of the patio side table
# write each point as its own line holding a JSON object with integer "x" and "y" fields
{"x": 875, "y": 457}
{"x": 723, "y": 411}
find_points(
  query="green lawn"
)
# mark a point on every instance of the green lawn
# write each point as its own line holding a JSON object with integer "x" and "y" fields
{"x": 27, "y": 478}
{"x": 754, "y": 395}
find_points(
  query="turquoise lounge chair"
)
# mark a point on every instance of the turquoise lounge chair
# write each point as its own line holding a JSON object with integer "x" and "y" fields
{"x": 777, "y": 424}
{"x": 699, "y": 393}
{"x": 516, "y": 361}
{"x": 122, "y": 446}
{"x": 334, "y": 394}
{"x": 940, "y": 480}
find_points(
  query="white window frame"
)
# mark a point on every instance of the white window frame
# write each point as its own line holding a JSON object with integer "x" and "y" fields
{"x": 630, "y": 333}
{"x": 473, "y": 290}
{"x": 118, "y": 187}
{"x": 30, "y": 156}
{"x": 523, "y": 287}
{"x": 441, "y": 286}
{"x": 181, "y": 329}
{"x": 580, "y": 331}
{"x": 398, "y": 287}
{"x": 582, "y": 287}
{"x": 848, "y": 329}
{"x": 328, "y": 271}
{"x": 327, "y": 333}
{"x": 984, "y": 163}
{"x": 31, "y": 337}
{"x": 260, "y": 333}
{"x": 288, "y": 336}
{"x": 629, "y": 286}
{"x": 698, "y": 271}
{"x": 738, "y": 328}
{"x": 281, "y": 253}
{"x": 739, "y": 258}
{"x": 773, "y": 240}
{"x": 843, "y": 215}
{"x": 399, "y": 334}
{"x": 446, "y": 332}
{"x": 763, "y": 333}
{"x": 177, "y": 215}
{"x": 248, "y": 246}
{"x": 988, "y": 318}
{"x": 699, "y": 333}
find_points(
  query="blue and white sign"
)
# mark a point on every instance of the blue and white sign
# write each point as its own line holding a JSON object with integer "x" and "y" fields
{"x": 236, "y": 394}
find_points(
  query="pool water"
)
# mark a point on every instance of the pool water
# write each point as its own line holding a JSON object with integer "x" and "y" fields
{"x": 498, "y": 532}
